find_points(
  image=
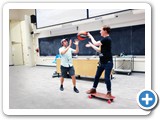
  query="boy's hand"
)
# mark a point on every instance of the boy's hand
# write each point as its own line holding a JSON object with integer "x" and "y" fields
{"x": 76, "y": 42}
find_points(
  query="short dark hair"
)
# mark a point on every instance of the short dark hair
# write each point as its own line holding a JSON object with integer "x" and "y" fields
{"x": 107, "y": 28}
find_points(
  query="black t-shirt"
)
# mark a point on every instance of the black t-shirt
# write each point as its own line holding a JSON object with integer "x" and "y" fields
{"x": 106, "y": 53}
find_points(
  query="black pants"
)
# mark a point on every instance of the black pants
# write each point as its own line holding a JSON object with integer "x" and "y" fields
{"x": 107, "y": 67}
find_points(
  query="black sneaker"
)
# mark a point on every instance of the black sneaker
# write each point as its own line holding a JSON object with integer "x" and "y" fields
{"x": 76, "y": 90}
{"x": 61, "y": 88}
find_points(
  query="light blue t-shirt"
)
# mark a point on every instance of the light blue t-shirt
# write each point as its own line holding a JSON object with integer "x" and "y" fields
{"x": 66, "y": 59}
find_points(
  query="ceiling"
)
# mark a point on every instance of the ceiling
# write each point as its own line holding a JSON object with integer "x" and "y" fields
{"x": 18, "y": 14}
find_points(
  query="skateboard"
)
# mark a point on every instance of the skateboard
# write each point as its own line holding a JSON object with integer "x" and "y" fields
{"x": 101, "y": 96}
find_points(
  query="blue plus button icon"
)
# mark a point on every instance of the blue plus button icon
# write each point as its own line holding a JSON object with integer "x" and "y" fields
{"x": 147, "y": 99}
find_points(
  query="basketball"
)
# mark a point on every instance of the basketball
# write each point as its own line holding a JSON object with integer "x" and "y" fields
{"x": 82, "y": 35}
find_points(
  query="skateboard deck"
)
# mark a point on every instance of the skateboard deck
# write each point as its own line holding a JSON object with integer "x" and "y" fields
{"x": 101, "y": 96}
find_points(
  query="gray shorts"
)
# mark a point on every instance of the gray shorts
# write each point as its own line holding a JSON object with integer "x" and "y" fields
{"x": 65, "y": 70}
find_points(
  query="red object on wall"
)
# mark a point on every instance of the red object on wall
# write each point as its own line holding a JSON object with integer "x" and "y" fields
{"x": 37, "y": 50}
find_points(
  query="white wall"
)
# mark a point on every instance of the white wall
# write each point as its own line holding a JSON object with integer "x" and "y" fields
{"x": 18, "y": 14}
{"x": 29, "y": 41}
{"x": 24, "y": 42}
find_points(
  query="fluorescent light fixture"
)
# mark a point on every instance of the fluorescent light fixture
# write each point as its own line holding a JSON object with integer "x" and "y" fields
{"x": 64, "y": 30}
{"x": 138, "y": 11}
{"x": 108, "y": 17}
{"x": 48, "y": 28}
{"x": 83, "y": 21}
{"x": 94, "y": 19}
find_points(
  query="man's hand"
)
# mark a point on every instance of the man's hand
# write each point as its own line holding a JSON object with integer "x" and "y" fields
{"x": 70, "y": 43}
{"x": 89, "y": 35}
{"x": 76, "y": 42}
{"x": 89, "y": 44}
{"x": 93, "y": 46}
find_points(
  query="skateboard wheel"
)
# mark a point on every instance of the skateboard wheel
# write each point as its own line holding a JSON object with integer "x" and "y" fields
{"x": 109, "y": 101}
{"x": 89, "y": 96}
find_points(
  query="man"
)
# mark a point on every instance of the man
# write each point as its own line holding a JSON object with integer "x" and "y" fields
{"x": 66, "y": 62}
{"x": 105, "y": 62}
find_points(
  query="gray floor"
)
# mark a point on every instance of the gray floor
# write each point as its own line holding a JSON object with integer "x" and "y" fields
{"x": 34, "y": 88}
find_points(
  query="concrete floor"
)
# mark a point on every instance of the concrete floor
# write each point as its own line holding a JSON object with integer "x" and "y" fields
{"x": 34, "y": 88}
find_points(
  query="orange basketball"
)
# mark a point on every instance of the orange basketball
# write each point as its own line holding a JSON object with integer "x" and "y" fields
{"x": 82, "y": 35}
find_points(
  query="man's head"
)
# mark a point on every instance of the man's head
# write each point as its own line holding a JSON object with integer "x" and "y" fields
{"x": 105, "y": 30}
{"x": 64, "y": 42}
